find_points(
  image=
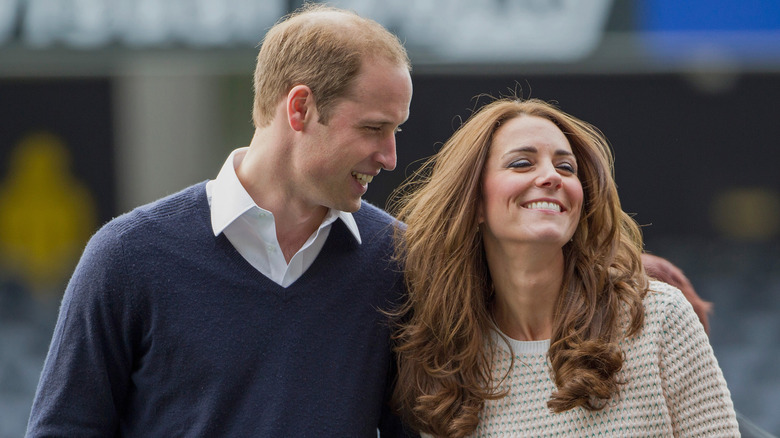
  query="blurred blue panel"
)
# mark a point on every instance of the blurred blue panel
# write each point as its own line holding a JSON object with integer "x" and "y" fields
{"x": 708, "y": 15}
{"x": 710, "y": 31}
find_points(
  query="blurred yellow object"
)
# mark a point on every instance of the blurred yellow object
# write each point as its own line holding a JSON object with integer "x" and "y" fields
{"x": 748, "y": 213}
{"x": 46, "y": 215}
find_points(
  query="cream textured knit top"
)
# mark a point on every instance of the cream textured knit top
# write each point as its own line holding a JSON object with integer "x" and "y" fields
{"x": 673, "y": 387}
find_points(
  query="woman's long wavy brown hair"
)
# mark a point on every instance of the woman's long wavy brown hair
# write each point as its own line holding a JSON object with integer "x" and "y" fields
{"x": 444, "y": 358}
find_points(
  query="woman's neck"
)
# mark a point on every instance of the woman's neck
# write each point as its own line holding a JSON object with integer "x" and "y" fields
{"x": 527, "y": 283}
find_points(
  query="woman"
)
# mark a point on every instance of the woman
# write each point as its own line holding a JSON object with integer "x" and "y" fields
{"x": 529, "y": 312}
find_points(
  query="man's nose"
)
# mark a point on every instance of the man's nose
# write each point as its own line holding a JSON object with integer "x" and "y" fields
{"x": 386, "y": 155}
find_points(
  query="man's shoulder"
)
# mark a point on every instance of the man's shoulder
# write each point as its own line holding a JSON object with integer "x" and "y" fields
{"x": 179, "y": 212}
{"x": 373, "y": 215}
{"x": 174, "y": 207}
{"x": 372, "y": 222}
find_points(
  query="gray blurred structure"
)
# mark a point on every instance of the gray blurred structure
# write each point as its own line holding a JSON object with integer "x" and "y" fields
{"x": 150, "y": 95}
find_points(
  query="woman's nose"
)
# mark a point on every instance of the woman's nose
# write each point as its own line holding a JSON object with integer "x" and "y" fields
{"x": 548, "y": 177}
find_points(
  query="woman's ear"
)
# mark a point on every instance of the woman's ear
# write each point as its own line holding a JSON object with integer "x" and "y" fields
{"x": 300, "y": 105}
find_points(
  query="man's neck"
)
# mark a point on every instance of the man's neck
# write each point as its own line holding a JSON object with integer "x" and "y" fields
{"x": 263, "y": 175}
{"x": 294, "y": 229}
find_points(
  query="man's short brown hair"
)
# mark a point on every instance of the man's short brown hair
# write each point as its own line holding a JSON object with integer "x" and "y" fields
{"x": 323, "y": 48}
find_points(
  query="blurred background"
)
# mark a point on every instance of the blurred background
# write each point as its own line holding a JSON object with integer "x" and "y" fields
{"x": 109, "y": 104}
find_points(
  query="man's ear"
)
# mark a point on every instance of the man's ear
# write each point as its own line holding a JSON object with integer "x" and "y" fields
{"x": 300, "y": 106}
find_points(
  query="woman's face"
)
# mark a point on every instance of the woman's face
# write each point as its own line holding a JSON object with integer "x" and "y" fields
{"x": 530, "y": 189}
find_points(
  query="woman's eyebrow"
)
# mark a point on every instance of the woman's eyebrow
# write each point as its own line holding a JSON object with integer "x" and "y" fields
{"x": 521, "y": 149}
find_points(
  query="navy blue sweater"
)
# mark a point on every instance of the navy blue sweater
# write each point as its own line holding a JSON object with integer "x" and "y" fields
{"x": 166, "y": 331}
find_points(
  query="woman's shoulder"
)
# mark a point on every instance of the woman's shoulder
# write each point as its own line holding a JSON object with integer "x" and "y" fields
{"x": 662, "y": 294}
{"x": 667, "y": 304}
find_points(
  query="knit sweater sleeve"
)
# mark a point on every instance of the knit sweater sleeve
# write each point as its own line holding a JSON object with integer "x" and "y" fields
{"x": 697, "y": 397}
{"x": 86, "y": 373}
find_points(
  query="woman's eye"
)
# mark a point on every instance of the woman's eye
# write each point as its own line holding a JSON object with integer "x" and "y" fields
{"x": 520, "y": 163}
{"x": 567, "y": 167}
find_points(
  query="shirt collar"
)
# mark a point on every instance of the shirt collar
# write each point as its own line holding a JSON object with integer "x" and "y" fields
{"x": 349, "y": 221}
{"x": 229, "y": 200}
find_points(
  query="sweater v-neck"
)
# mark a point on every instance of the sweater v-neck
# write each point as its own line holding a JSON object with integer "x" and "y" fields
{"x": 339, "y": 239}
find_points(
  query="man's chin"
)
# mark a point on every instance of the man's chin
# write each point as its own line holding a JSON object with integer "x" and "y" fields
{"x": 355, "y": 207}
{"x": 350, "y": 206}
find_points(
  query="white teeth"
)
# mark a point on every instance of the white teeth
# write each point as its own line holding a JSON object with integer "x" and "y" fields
{"x": 544, "y": 206}
{"x": 363, "y": 178}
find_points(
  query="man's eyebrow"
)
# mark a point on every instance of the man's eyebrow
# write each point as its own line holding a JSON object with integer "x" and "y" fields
{"x": 370, "y": 121}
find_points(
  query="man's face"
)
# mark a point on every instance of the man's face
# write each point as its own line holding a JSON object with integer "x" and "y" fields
{"x": 336, "y": 161}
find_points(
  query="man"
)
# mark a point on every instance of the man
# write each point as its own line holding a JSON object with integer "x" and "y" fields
{"x": 251, "y": 305}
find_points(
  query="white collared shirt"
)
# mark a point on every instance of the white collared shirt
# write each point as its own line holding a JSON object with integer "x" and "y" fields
{"x": 252, "y": 229}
